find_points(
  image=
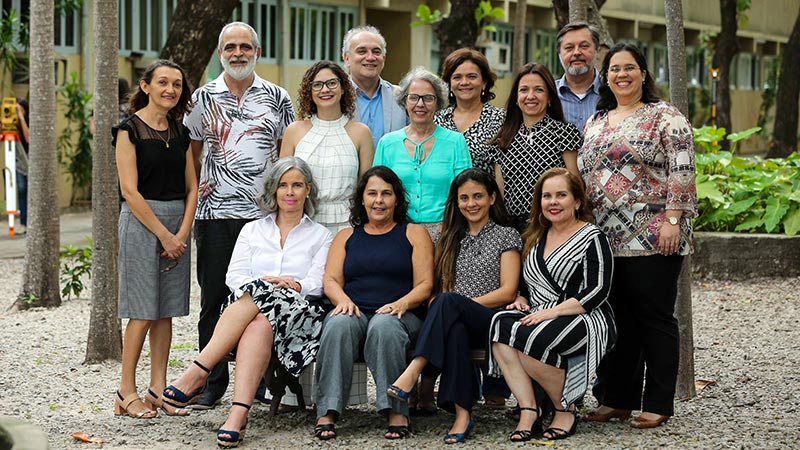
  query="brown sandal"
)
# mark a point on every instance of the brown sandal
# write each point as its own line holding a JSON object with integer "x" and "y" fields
{"x": 121, "y": 406}
{"x": 154, "y": 402}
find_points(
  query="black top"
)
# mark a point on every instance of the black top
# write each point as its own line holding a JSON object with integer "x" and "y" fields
{"x": 378, "y": 268}
{"x": 161, "y": 169}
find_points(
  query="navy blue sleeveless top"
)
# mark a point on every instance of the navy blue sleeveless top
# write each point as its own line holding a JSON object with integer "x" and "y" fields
{"x": 378, "y": 268}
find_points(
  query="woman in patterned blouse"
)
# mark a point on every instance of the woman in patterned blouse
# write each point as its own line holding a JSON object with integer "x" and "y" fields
{"x": 638, "y": 165}
{"x": 534, "y": 137}
{"x": 470, "y": 79}
{"x": 477, "y": 271}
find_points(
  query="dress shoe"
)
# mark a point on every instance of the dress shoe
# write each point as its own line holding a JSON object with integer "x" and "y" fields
{"x": 595, "y": 416}
{"x": 640, "y": 422}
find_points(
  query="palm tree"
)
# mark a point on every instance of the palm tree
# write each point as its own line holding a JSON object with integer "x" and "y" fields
{"x": 40, "y": 279}
{"x": 678, "y": 94}
{"x": 104, "y": 341}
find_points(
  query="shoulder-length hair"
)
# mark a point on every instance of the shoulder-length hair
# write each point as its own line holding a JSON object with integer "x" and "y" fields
{"x": 358, "y": 213}
{"x": 454, "y": 226}
{"x": 607, "y": 100}
{"x": 306, "y": 106}
{"x": 421, "y": 74}
{"x": 462, "y": 55}
{"x": 505, "y": 136}
{"x": 537, "y": 223}
{"x": 269, "y": 201}
{"x": 139, "y": 99}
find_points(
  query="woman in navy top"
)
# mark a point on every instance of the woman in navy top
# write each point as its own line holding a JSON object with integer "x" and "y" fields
{"x": 378, "y": 274}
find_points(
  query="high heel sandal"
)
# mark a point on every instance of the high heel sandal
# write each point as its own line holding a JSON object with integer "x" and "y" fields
{"x": 177, "y": 398}
{"x": 235, "y": 436}
{"x": 527, "y": 435}
{"x": 121, "y": 405}
{"x": 396, "y": 392}
{"x": 559, "y": 433}
{"x": 459, "y": 437}
{"x": 155, "y": 402}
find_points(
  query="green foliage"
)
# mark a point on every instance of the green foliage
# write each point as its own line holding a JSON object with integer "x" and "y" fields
{"x": 426, "y": 17}
{"x": 76, "y": 156}
{"x": 485, "y": 10}
{"x": 30, "y": 299}
{"x": 9, "y": 23}
{"x": 768, "y": 95}
{"x": 75, "y": 264}
{"x": 745, "y": 194}
{"x": 741, "y": 8}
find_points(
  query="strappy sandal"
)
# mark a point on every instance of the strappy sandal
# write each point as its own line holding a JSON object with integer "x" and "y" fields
{"x": 527, "y": 435}
{"x": 122, "y": 405}
{"x": 560, "y": 433}
{"x": 176, "y": 397}
{"x": 399, "y": 394}
{"x": 402, "y": 432}
{"x": 155, "y": 402}
{"x": 325, "y": 428}
{"x": 458, "y": 438}
{"x": 235, "y": 437}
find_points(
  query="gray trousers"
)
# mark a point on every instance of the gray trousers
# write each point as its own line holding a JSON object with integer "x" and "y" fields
{"x": 384, "y": 340}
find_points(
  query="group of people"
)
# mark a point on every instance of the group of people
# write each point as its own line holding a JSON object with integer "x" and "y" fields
{"x": 408, "y": 225}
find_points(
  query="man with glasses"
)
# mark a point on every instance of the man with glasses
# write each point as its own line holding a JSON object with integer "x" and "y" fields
{"x": 579, "y": 88}
{"x": 364, "y": 54}
{"x": 236, "y": 127}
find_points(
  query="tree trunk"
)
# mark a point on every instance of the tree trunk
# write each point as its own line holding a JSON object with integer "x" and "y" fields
{"x": 784, "y": 134}
{"x": 517, "y": 59}
{"x": 40, "y": 280}
{"x": 678, "y": 94}
{"x": 577, "y": 10}
{"x": 459, "y": 29}
{"x": 562, "y": 11}
{"x": 104, "y": 340}
{"x": 725, "y": 48}
{"x": 193, "y": 34}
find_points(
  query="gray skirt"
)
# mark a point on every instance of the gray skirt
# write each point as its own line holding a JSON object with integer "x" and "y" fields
{"x": 152, "y": 287}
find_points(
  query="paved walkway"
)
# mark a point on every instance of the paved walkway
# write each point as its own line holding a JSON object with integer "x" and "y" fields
{"x": 74, "y": 229}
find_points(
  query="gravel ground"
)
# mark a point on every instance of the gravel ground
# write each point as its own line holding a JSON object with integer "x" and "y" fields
{"x": 745, "y": 338}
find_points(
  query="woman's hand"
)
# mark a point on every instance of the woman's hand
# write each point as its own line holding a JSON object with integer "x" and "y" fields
{"x": 174, "y": 248}
{"x": 397, "y": 308}
{"x": 346, "y": 307}
{"x": 520, "y": 304}
{"x": 669, "y": 238}
{"x": 539, "y": 316}
{"x": 283, "y": 282}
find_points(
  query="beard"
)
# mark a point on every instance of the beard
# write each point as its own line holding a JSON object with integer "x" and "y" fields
{"x": 238, "y": 73}
{"x": 575, "y": 71}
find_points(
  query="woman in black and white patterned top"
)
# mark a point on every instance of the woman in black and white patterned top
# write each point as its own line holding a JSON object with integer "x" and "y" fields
{"x": 477, "y": 271}
{"x": 470, "y": 80}
{"x": 534, "y": 137}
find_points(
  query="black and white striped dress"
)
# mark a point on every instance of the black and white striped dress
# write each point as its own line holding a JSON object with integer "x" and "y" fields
{"x": 580, "y": 268}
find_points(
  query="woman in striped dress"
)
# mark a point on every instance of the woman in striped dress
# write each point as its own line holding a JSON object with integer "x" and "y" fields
{"x": 560, "y": 335}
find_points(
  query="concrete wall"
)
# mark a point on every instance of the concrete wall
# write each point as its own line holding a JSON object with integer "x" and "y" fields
{"x": 737, "y": 256}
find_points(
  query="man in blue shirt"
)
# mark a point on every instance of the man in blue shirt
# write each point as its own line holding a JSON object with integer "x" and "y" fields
{"x": 579, "y": 88}
{"x": 364, "y": 54}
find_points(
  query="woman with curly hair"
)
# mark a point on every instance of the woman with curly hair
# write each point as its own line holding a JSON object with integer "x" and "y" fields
{"x": 337, "y": 149}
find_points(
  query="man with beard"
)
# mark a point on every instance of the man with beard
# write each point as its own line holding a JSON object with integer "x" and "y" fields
{"x": 579, "y": 88}
{"x": 364, "y": 54}
{"x": 236, "y": 126}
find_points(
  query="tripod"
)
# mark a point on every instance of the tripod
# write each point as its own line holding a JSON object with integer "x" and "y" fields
{"x": 10, "y": 140}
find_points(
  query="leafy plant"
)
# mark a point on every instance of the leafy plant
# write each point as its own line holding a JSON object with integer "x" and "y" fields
{"x": 426, "y": 17}
{"x": 745, "y": 194}
{"x": 484, "y": 10}
{"x": 9, "y": 23}
{"x": 76, "y": 156}
{"x": 76, "y": 263}
{"x": 30, "y": 299}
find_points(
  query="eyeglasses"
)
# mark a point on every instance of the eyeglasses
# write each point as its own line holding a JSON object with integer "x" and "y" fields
{"x": 331, "y": 84}
{"x": 428, "y": 99}
{"x": 627, "y": 69}
{"x": 165, "y": 264}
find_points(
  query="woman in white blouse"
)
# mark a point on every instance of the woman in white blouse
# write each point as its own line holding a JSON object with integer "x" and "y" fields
{"x": 276, "y": 267}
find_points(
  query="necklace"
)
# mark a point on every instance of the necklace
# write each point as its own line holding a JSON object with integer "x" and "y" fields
{"x": 625, "y": 108}
{"x": 169, "y": 135}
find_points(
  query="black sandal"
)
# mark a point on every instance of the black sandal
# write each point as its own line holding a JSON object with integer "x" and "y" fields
{"x": 527, "y": 435}
{"x": 401, "y": 431}
{"x": 560, "y": 433}
{"x": 325, "y": 428}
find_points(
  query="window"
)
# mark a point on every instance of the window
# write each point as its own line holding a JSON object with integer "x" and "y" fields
{"x": 67, "y": 29}
{"x": 263, "y": 16}
{"x": 660, "y": 63}
{"x": 747, "y": 69}
{"x": 697, "y": 67}
{"x": 500, "y": 48}
{"x": 547, "y": 52}
{"x": 317, "y": 31}
{"x": 143, "y": 25}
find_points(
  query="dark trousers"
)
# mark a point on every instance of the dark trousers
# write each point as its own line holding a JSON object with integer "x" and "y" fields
{"x": 455, "y": 324}
{"x": 643, "y": 296}
{"x": 22, "y": 197}
{"x": 214, "y": 241}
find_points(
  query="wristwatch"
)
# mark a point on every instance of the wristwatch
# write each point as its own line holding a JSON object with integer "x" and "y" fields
{"x": 672, "y": 220}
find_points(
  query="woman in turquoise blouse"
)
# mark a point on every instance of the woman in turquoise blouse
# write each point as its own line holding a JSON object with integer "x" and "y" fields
{"x": 424, "y": 155}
